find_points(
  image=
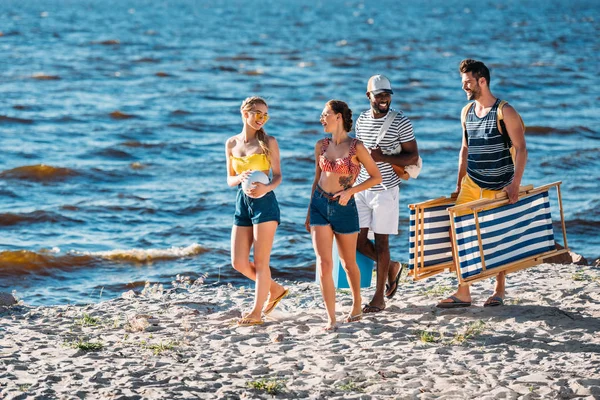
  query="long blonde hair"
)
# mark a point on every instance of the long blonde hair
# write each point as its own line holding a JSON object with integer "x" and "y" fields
{"x": 261, "y": 135}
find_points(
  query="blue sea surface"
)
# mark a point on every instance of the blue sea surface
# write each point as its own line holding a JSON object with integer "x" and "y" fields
{"x": 114, "y": 116}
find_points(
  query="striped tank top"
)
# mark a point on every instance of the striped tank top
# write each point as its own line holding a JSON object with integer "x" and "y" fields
{"x": 489, "y": 162}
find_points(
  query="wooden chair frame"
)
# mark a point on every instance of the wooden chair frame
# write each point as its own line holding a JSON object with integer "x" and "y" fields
{"x": 475, "y": 207}
{"x": 420, "y": 271}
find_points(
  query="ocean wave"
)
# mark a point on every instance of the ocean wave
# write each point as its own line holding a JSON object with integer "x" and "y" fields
{"x": 582, "y": 225}
{"x": 196, "y": 126}
{"x": 15, "y": 120}
{"x": 580, "y": 157}
{"x": 38, "y": 173}
{"x": 22, "y": 107}
{"x": 121, "y": 115}
{"x": 7, "y": 193}
{"x": 23, "y": 262}
{"x": 148, "y": 255}
{"x": 239, "y": 57}
{"x": 109, "y": 42}
{"x": 180, "y": 112}
{"x": 136, "y": 144}
{"x": 35, "y": 217}
{"x": 44, "y": 77}
{"x": 147, "y": 60}
{"x": 309, "y": 132}
{"x": 113, "y": 153}
{"x": 546, "y": 130}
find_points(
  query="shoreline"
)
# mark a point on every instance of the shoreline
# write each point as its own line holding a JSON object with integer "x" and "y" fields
{"x": 183, "y": 343}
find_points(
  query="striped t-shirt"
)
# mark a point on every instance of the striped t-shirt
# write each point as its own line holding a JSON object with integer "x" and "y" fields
{"x": 367, "y": 129}
{"x": 489, "y": 162}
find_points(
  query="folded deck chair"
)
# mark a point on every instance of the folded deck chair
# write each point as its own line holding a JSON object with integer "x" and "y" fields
{"x": 491, "y": 236}
{"x": 430, "y": 248}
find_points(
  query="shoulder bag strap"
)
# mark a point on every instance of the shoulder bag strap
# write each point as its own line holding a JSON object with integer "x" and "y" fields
{"x": 386, "y": 125}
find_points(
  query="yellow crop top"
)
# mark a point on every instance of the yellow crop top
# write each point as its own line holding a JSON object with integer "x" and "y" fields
{"x": 257, "y": 162}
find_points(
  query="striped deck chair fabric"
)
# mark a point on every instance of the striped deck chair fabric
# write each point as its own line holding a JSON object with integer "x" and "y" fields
{"x": 437, "y": 247}
{"x": 509, "y": 233}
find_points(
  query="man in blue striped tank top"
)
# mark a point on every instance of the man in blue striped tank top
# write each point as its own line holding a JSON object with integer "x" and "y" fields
{"x": 485, "y": 165}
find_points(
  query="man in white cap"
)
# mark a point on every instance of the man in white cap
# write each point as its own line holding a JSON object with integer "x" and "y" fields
{"x": 388, "y": 134}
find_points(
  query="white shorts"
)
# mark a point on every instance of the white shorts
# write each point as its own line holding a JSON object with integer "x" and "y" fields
{"x": 379, "y": 211}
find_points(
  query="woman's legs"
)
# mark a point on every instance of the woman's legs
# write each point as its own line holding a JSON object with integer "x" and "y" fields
{"x": 322, "y": 238}
{"x": 241, "y": 242}
{"x": 346, "y": 244}
{"x": 263, "y": 233}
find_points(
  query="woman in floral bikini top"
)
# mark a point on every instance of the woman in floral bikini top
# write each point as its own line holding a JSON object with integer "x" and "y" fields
{"x": 332, "y": 210}
{"x": 342, "y": 166}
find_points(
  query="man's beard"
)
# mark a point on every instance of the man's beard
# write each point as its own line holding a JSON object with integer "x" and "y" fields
{"x": 473, "y": 94}
{"x": 379, "y": 110}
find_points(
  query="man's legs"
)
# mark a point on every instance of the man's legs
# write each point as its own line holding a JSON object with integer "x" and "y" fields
{"x": 470, "y": 192}
{"x": 497, "y": 299}
{"x": 378, "y": 211}
{"x": 367, "y": 248}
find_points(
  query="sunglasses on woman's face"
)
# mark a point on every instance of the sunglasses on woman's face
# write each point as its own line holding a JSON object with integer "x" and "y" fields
{"x": 259, "y": 115}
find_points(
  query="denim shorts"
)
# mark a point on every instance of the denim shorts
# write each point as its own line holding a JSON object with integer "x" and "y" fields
{"x": 326, "y": 210}
{"x": 250, "y": 211}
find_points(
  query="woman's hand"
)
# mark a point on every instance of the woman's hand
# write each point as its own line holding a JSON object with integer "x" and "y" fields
{"x": 244, "y": 175}
{"x": 307, "y": 223}
{"x": 344, "y": 196}
{"x": 257, "y": 189}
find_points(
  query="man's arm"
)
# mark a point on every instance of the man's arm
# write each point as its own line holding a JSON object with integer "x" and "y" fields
{"x": 462, "y": 163}
{"x": 408, "y": 156}
{"x": 410, "y": 151}
{"x": 517, "y": 136}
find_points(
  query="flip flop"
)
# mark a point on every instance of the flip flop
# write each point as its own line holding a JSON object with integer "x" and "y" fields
{"x": 353, "y": 318}
{"x": 494, "y": 301}
{"x": 332, "y": 328}
{"x": 369, "y": 309}
{"x": 455, "y": 303}
{"x": 387, "y": 286}
{"x": 245, "y": 321}
{"x": 270, "y": 306}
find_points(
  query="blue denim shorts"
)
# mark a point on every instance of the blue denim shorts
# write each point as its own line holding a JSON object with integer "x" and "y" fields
{"x": 326, "y": 210}
{"x": 250, "y": 211}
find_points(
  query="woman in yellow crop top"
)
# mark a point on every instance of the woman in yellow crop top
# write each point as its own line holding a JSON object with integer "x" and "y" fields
{"x": 332, "y": 210}
{"x": 257, "y": 212}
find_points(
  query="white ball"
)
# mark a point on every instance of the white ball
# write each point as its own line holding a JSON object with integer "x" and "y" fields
{"x": 255, "y": 176}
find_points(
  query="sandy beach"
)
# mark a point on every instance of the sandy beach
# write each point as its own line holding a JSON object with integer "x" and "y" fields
{"x": 183, "y": 343}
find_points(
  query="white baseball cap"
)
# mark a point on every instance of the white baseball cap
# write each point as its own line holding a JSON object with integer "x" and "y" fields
{"x": 379, "y": 84}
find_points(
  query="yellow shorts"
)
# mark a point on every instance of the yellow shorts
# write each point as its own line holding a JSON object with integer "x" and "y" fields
{"x": 469, "y": 191}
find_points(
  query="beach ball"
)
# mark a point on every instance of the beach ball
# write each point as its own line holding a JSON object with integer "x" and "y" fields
{"x": 255, "y": 176}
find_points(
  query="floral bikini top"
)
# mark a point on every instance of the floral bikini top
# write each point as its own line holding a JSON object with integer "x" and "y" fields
{"x": 344, "y": 165}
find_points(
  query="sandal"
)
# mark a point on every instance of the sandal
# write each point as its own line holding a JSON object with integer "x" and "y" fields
{"x": 455, "y": 303}
{"x": 270, "y": 306}
{"x": 494, "y": 301}
{"x": 353, "y": 318}
{"x": 369, "y": 309}
{"x": 389, "y": 294}
{"x": 245, "y": 321}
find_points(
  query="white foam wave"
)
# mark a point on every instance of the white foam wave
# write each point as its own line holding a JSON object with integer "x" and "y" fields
{"x": 146, "y": 255}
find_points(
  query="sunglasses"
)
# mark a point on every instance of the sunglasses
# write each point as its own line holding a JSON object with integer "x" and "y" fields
{"x": 260, "y": 116}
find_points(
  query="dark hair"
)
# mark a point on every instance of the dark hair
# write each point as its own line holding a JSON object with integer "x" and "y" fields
{"x": 477, "y": 68}
{"x": 248, "y": 105}
{"x": 340, "y": 107}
